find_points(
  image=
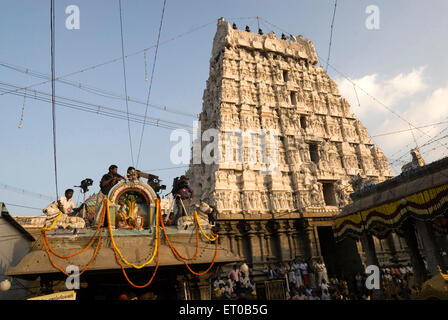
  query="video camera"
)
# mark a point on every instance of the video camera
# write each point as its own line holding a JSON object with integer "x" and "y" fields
{"x": 85, "y": 184}
{"x": 153, "y": 181}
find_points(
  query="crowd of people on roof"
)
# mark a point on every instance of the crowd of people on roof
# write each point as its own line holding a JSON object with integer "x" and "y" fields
{"x": 181, "y": 191}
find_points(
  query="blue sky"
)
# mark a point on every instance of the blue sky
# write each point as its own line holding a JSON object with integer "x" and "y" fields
{"x": 402, "y": 64}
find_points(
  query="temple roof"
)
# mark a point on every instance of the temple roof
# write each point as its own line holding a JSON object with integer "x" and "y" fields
{"x": 136, "y": 249}
{"x": 415, "y": 180}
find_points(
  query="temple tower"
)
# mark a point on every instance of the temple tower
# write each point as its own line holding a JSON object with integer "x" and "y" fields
{"x": 265, "y": 86}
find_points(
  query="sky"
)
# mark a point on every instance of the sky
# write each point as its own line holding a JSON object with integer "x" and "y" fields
{"x": 400, "y": 63}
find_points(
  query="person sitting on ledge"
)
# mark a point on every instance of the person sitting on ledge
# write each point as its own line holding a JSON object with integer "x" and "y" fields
{"x": 66, "y": 204}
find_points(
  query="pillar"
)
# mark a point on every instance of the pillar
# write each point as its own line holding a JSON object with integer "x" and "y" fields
{"x": 181, "y": 288}
{"x": 317, "y": 242}
{"x": 296, "y": 243}
{"x": 267, "y": 238}
{"x": 311, "y": 249}
{"x": 204, "y": 288}
{"x": 285, "y": 241}
{"x": 239, "y": 245}
{"x": 291, "y": 244}
{"x": 392, "y": 248}
{"x": 430, "y": 246}
{"x": 371, "y": 259}
{"x": 416, "y": 259}
{"x": 255, "y": 247}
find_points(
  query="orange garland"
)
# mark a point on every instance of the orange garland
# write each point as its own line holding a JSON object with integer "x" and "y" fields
{"x": 122, "y": 267}
{"x": 91, "y": 260}
{"x": 74, "y": 254}
{"x": 101, "y": 227}
{"x": 176, "y": 254}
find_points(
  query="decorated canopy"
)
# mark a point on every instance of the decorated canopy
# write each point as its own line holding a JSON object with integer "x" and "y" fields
{"x": 421, "y": 193}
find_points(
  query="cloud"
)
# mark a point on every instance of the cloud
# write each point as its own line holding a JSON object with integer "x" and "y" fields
{"x": 388, "y": 91}
{"x": 399, "y": 93}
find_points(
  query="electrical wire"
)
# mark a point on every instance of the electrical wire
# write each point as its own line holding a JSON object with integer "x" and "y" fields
{"x": 53, "y": 108}
{"x": 93, "y": 90}
{"x": 25, "y": 192}
{"x": 18, "y": 205}
{"x": 112, "y": 60}
{"x": 368, "y": 94}
{"x": 92, "y": 108}
{"x": 331, "y": 33}
{"x": 125, "y": 83}
{"x": 406, "y": 130}
{"x": 152, "y": 78}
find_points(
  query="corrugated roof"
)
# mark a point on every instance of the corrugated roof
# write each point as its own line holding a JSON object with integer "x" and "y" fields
{"x": 5, "y": 215}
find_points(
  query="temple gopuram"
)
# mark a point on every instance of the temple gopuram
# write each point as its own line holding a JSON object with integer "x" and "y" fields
{"x": 262, "y": 84}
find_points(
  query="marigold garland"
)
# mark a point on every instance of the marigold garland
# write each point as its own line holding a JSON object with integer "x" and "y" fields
{"x": 178, "y": 257}
{"x": 115, "y": 247}
{"x": 53, "y": 223}
{"x": 175, "y": 252}
{"x": 76, "y": 253}
{"x": 118, "y": 254}
{"x": 214, "y": 237}
{"x": 121, "y": 265}
{"x": 91, "y": 260}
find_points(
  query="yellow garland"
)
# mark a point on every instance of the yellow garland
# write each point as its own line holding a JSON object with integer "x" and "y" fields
{"x": 118, "y": 250}
{"x": 53, "y": 224}
{"x": 200, "y": 227}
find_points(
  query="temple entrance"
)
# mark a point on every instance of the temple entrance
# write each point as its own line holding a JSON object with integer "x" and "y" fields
{"x": 328, "y": 250}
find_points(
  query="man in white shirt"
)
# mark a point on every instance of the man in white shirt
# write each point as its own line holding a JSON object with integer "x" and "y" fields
{"x": 66, "y": 204}
{"x": 219, "y": 282}
{"x": 305, "y": 275}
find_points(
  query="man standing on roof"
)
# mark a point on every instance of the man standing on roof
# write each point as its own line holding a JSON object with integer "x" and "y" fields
{"x": 182, "y": 194}
{"x": 108, "y": 181}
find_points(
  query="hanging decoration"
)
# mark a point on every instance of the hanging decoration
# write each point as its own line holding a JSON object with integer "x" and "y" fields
{"x": 146, "y": 66}
{"x": 23, "y": 110}
{"x": 130, "y": 200}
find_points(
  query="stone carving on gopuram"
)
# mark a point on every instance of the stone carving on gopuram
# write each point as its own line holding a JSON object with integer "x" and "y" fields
{"x": 260, "y": 84}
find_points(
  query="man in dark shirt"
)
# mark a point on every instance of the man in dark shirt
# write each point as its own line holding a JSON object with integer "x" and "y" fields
{"x": 106, "y": 184}
{"x": 182, "y": 195}
{"x": 110, "y": 179}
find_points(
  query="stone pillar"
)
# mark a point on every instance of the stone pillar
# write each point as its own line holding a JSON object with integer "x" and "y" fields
{"x": 371, "y": 259}
{"x": 260, "y": 240}
{"x": 267, "y": 238}
{"x": 392, "y": 248}
{"x": 204, "y": 288}
{"x": 414, "y": 252}
{"x": 181, "y": 288}
{"x": 291, "y": 244}
{"x": 308, "y": 242}
{"x": 317, "y": 242}
{"x": 430, "y": 247}
{"x": 284, "y": 241}
{"x": 230, "y": 235}
{"x": 311, "y": 249}
{"x": 255, "y": 247}
{"x": 296, "y": 243}
{"x": 239, "y": 245}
